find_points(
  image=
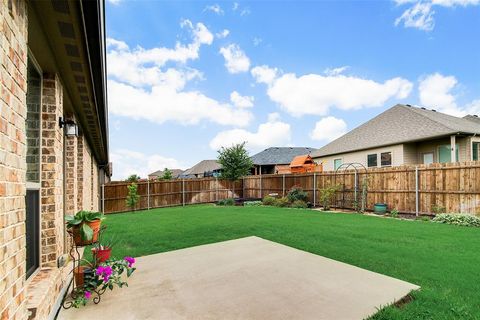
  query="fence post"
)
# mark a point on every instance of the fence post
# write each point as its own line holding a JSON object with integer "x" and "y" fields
{"x": 103, "y": 197}
{"x": 416, "y": 192}
{"x": 148, "y": 194}
{"x": 243, "y": 187}
{"x": 261, "y": 185}
{"x": 314, "y": 189}
{"x": 216, "y": 189}
{"x": 283, "y": 185}
{"x": 183, "y": 192}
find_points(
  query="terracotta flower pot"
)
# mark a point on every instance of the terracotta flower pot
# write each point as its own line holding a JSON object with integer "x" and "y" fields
{"x": 101, "y": 255}
{"x": 77, "y": 236}
{"x": 79, "y": 274}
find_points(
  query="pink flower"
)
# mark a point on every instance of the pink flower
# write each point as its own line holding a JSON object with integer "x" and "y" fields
{"x": 130, "y": 260}
{"x": 88, "y": 294}
{"x": 105, "y": 272}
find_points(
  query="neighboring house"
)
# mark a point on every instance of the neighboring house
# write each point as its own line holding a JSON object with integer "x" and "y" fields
{"x": 159, "y": 174}
{"x": 405, "y": 135}
{"x": 54, "y": 144}
{"x": 205, "y": 168}
{"x": 277, "y": 159}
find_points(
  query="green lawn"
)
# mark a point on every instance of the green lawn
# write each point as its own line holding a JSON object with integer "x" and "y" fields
{"x": 444, "y": 260}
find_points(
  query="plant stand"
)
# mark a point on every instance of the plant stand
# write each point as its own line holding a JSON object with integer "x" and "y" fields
{"x": 73, "y": 289}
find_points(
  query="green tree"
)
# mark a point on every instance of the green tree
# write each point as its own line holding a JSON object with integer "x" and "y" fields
{"x": 133, "y": 178}
{"x": 132, "y": 196}
{"x": 167, "y": 174}
{"x": 235, "y": 162}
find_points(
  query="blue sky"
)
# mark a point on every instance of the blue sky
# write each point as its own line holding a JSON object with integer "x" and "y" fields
{"x": 188, "y": 77}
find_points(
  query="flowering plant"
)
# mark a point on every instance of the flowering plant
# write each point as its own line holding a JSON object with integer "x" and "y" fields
{"x": 106, "y": 276}
{"x": 110, "y": 272}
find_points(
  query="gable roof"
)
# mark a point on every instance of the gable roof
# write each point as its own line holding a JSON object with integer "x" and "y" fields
{"x": 299, "y": 161}
{"x": 473, "y": 118}
{"x": 279, "y": 155}
{"x": 399, "y": 124}
{"x": 203, "y": 166}
{"x": 159, "y": 173}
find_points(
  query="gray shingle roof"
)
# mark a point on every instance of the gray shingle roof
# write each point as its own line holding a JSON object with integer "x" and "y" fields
{"x": 474, "y": 118}
{"x": 399, "y": 124}
{"x": 279, "y": 155}
{"x": 159, "y": 173}
{"x": 202, "y": 166}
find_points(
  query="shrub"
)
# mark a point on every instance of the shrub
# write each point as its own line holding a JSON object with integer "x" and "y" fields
{"x": 133, "y": 178}
{"x": 394, "y": 213}
{"x": 252, "y": 203}
{"x": 297, "y": 193}
{"x": 132, "y": 196}
{"x": 457, "y": 219}
{"x": 226, "y": 202}
{"x": 268, "y": 201}
{"x": 299, "y": 204}
{"x": 326, "y": 196}
{"x": 281, "y": 202}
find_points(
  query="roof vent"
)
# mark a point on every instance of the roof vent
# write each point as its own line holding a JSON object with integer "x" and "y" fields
{"x": 434, "y": 110}
{"x": 476, "y": 116}
{"x": 423, "y": 108}
{"x": 409, "y": 105}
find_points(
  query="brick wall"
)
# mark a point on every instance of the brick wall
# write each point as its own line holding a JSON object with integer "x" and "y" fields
{"x": 71, "y": 167}
{"x": 52, "y": 201}
{"x": 13, "y": 69}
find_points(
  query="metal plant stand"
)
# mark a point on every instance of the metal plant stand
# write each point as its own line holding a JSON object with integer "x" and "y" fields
{"x": 73, "y": 290}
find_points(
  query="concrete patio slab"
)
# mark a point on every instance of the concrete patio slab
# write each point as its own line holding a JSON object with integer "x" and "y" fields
{"x": 248, "y": 278}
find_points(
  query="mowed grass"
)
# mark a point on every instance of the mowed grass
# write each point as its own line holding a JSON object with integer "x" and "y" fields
{"x": 444, "y": 260}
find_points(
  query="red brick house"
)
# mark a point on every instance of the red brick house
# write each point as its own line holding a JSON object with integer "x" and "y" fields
{"x": 53, "y": 143}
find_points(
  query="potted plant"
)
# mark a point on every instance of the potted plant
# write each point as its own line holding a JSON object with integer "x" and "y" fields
{"x": 80, "y": 273}
{"x": 85, "y": 226}
{"x": 101, "y": 251}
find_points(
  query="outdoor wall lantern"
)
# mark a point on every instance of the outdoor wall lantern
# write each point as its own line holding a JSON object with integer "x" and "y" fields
{"x": 71, "y": 128}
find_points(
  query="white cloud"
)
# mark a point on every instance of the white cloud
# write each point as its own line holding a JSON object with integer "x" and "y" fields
{"x": 245, "y": 12}
{"x": 236, "y": 60}
{"x": 315, "y": 94}
{"x": 421, "y": 14}
{"x": 127, "y": 162}
{"x": 257, "y": 41}
{"x": 435, "y": 92}
{"x": 335, "y": 71}
{"x": 141, "y": 87}
{"x": 328, "y": 129}
{"x": 215, "y": 8}
{"x": 241, "y": 101}
{"x": 473, "y": 107}
{"x": 273, "y": 132}
{"x": 164, "y": 103}
{"x": 143, "y": 67}
{"x": 114, "y": 2}
{"x": 223, "y": 34}
{"x": 235, "y": 6}
{"x": 452, "y": 3}
{"x": 264, "y": 74}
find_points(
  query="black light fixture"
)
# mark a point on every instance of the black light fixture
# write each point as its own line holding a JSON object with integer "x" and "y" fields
{"x": 71, "y": 128}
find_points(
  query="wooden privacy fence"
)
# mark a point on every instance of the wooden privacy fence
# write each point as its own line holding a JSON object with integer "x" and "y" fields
{"x": 409, "y": 189}
{"x": 156, "y": 194}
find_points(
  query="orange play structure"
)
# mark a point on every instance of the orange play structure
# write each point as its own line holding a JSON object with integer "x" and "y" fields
{"x": 303, "y": 164}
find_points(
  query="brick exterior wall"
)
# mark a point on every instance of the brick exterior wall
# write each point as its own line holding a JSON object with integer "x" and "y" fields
{"x": 52, "y": 201}
{"x": 72, "y": 170}
{"x": 13, "y": 70}
{"x": 67, "y": 173}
